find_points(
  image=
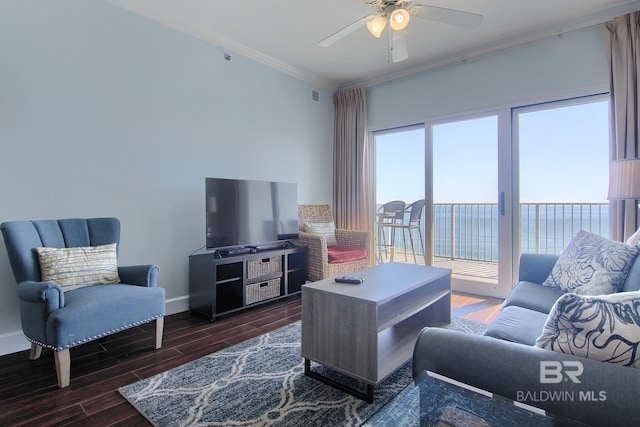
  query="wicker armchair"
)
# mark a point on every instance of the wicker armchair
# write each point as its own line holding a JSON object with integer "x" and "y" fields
{"x": 319, "y": 267}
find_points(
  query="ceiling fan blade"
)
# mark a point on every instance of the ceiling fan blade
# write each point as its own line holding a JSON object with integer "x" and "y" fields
{"x": 346, "y": 31}
{"x": 447, "y": 16}
{"x": 398, "y": 46}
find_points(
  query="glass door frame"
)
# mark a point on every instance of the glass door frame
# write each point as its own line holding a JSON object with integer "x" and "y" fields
{"x": 373, "y": 161}
{"x": 504, "y": 196}
{"x": 515, "y": 161}
{"x": 508, "y": 180}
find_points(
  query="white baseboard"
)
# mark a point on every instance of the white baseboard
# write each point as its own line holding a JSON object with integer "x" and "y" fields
{"x": 13, "y": 342}
{"x": 177, "y": 305}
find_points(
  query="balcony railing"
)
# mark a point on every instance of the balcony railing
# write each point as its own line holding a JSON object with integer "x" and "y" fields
{"x": 469, "y": 231}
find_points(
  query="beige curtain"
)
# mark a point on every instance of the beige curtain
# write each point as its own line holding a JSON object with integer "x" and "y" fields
{"x": 622, "y": 40}
{"x": 352, "y": 201}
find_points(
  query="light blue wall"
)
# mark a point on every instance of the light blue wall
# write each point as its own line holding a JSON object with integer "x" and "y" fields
{"x": 570, "y": 65}
{"x": 105, "y": 113}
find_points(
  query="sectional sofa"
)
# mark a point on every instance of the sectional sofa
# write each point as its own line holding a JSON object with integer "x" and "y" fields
{"x": 539, "y": 353}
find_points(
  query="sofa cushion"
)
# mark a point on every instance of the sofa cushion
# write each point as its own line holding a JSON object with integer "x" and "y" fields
{"x": 592, "y": 265}
{"x": 603, "y": 327}
{"x": 77, "y": 267}
{"x": 96, "y": 311}
{"x": 326, "y": 229}
{"x": 340, "y": 254}
{"x": 533, "y": 296}
{"x": 517, "y": 324}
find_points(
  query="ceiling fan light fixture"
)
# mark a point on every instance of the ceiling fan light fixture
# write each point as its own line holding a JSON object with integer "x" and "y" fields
{"x": 376, "y": 25}
{"x": 399, "y": 19}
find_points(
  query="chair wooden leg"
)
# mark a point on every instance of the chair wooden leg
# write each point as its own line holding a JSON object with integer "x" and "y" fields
{"x": 36, "y": 351}
{"x": 157, "y": 332}
{"x": 63, "y": 367}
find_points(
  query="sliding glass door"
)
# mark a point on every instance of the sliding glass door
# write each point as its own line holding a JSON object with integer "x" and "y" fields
{"x": 495, "y": 185}
{"x": 400, "y": 186}
{"x": 563, "y": 169}
{"x": 467, "y": 204}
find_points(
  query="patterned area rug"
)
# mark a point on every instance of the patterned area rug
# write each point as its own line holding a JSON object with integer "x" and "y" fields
{"x": 260, "y": 382}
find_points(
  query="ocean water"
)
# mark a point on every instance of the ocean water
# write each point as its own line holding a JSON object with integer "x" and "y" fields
{"x": 470, "y": 231}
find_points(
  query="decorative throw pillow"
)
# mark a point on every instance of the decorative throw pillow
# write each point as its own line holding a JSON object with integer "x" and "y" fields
{"x": 74, "y": 268}
{"x": 592, "y": 265}
{"x": 604, "y": 327}
{"x": 326, "y": 229}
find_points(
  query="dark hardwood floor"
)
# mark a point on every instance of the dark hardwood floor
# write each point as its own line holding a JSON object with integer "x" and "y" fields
{"x": 28, "y": 389}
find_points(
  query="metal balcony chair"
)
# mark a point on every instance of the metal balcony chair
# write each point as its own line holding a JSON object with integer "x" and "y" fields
{"x": 389, "y": 213}
{"x": 412, "y": 219}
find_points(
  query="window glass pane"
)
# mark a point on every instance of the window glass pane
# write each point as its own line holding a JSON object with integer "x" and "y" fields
{"x": 465, "y": 191}
{"x": 400, "y": 169}
{"x": 564, "y": 174}
{"x": 400, "y": 166}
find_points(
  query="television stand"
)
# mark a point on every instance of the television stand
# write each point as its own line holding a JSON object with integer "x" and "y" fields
{"x": 223, "y": 285}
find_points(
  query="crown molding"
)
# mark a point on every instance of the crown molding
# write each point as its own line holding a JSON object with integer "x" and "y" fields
{"x": 229, "y": 46}
{"x": 226, "y": 45}
{"x": 503, "y": 44}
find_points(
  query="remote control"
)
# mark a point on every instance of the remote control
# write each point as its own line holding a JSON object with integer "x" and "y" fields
{"x": 349, "y": 279}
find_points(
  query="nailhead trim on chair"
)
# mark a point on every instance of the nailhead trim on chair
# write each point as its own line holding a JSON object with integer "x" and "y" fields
{"x": 50, "y": 347}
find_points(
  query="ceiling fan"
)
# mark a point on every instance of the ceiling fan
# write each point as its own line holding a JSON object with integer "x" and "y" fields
{"x": 397, "y": 14}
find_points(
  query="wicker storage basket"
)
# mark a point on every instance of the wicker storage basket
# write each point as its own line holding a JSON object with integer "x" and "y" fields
{"x": 263, "y": 266}
{"x": 261, "y": 291}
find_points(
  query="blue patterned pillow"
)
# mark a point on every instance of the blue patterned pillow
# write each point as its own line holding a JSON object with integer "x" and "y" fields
{"x": 604, "y": 327}
{"x": 592, "y": 265}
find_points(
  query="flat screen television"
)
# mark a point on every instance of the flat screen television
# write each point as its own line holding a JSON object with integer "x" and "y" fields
{"x": 246, "y": 213}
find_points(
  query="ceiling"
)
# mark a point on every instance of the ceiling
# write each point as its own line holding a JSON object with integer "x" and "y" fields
{"x": 284, "y": 34}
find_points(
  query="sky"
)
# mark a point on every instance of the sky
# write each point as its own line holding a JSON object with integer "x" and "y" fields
{"x": 563, "y": 157}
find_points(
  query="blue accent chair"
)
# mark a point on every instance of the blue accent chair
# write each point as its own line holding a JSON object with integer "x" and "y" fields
{"x": 58, "y": 320}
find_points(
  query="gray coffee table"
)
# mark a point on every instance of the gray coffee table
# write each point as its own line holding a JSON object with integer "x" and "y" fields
{"x": 368, "y": 331}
